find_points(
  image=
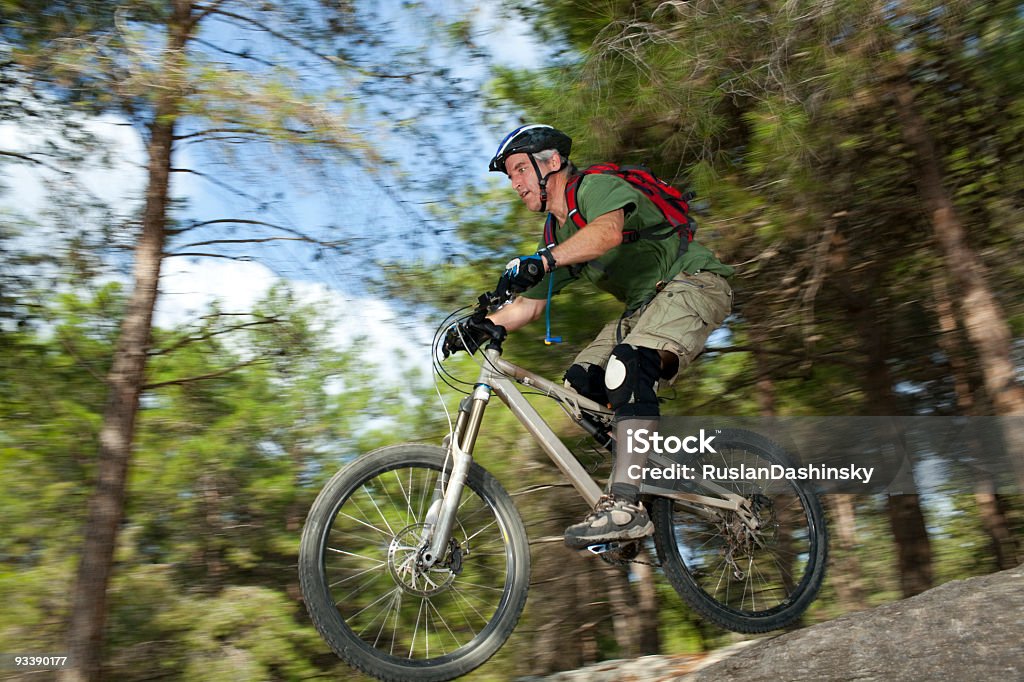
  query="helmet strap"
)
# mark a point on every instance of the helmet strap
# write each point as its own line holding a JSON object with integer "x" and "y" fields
{"x": 542, "y": 180}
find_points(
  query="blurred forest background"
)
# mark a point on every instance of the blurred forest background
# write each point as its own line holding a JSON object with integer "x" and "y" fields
{"x": 860, "y": 162}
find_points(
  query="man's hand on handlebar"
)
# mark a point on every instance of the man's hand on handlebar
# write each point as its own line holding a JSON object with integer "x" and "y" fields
{"x": 523, "y": 273}
{"x": 470, "y": 334}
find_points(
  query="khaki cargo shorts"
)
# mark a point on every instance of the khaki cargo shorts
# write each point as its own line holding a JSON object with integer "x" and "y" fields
{"x": 680, "y": 318}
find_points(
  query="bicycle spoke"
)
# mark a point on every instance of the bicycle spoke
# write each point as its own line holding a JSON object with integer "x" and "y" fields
{"x": 458, "y": 593}
{"x": 358, "y": 590}
{"x": 377, "y": 507}
{"x": 408, "y": 500}
{"x": 352, "y": 538}
{"x": 481, "y": 587}
{"x": 446, "y": 626}
{"x": 394, "y": 628}
{"x": 425, "y": 496}
{"x": 492, "y": 523}
{"x": 384, "y": 620}
{"x": 351, "y": 554}
{"x": 416, "y": 628}
{"x": 375, "y": 602}
{"x": 352, "y": 577}
{"x": 465, "y": 617}
{"x": 360, "y": 521}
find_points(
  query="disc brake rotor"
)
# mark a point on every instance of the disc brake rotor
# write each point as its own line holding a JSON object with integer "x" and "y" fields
{"x": 409, "y": 572}
{"x": 744, "y": 531}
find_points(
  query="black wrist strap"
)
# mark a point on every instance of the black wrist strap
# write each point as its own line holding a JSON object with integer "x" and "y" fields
{"x": 548, "y": 257}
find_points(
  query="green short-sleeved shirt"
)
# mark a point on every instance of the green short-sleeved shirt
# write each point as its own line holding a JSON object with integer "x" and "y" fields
{"x": 629, "y": 272}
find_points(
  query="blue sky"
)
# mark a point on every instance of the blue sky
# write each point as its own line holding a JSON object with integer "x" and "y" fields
{"x": 306, "y": 197}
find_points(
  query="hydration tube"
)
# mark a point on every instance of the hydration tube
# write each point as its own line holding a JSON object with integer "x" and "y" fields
{"x": 548, "y": 339}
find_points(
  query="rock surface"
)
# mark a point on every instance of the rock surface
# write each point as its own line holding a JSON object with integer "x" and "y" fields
{"x": 966, "y": 629}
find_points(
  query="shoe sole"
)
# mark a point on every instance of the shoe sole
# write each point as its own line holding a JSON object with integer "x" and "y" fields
{"x": 632, "y": 534}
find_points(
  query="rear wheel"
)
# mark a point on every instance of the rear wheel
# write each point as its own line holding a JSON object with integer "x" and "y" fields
{"x": 372, "y": 599}
{"x": 750, "y": 571}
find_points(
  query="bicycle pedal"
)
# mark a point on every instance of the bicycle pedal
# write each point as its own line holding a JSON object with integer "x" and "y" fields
{"x": 603, "y": 547}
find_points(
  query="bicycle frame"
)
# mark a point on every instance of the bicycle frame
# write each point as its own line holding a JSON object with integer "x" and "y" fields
{"x": 499, "y": 376}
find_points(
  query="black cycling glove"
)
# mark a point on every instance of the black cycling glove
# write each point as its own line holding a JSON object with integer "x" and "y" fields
{"x": 523, "y": 273}
{"x": 469, "y": 335}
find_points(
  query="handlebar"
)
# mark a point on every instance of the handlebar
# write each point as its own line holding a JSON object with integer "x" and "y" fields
{"x": 497, "y": 333}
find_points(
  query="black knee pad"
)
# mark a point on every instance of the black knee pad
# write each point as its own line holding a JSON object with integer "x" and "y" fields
{"x": 588, "y": 381}
{"x": 631, "y": 379}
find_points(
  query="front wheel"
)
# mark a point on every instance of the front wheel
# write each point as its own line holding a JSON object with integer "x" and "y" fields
{"x": 370, "y": 596}
{"x": 753, "y": 571}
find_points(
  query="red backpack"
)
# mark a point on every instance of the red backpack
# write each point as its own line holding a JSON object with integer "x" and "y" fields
{"x": 670, "y": 201}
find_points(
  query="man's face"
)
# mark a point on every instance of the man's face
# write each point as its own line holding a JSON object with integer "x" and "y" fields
{"x": 524, "y": 179}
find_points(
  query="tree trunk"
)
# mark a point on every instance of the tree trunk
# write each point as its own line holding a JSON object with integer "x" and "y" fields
{"x": 125, "y": 382}
{"x": 991, "y": 506}
{"x": 625, "y": 619}
{"x": 633, "y": 604}
{"x": 848, "y": 577}
{"x": 915, "y": 551}
{"x": 647, "y": 607}
{"x": 949, "y": 342}
{"x": 984, "y": 319}
{"x": 906, "y": 517}
{"x": 993, "y": 510}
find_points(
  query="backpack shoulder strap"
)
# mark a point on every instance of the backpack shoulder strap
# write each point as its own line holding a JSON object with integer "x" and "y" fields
{"x": 571, "y": 189}
{"x": 550, "y": 239}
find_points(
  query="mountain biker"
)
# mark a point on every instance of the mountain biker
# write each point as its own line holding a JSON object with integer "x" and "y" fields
{"x": 674, "y": 297}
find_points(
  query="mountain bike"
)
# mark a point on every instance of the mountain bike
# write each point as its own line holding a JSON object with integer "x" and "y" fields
{"x": 414, "y": 562}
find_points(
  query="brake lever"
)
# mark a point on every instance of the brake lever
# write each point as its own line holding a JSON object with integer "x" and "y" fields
{"x": 484, "y": 304}
{"x": 487, "y": 301}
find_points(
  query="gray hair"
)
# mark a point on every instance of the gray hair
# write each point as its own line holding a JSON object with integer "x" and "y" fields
{"x": 545, "y": 155}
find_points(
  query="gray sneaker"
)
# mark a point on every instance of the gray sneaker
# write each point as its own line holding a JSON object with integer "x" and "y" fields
{"x": 612, "y": 519}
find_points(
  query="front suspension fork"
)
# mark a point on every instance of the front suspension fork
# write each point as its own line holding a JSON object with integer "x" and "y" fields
{"x": 448, "y": 492}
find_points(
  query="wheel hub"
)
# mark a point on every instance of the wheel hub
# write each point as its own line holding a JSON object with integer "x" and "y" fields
{"x": 408, "y": 570}
{"x": 744, "y": 531}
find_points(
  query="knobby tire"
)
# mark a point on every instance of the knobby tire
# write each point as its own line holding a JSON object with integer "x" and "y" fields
{"x": 356, "y": 550}
{"x": 745, "y": 583}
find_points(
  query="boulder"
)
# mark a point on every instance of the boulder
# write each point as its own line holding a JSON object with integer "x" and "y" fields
{"x": 964, "y": 630}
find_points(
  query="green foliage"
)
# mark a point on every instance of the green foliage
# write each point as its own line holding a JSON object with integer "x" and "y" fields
{"x": 226, "y": 468}
{"x": 243, "y": 632}
{"x": 248, "y": 633}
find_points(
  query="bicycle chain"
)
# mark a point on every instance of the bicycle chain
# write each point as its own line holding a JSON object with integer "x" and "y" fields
{"x": 626, "y": 562}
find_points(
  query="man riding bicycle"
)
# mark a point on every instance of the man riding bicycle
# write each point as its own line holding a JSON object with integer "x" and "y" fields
{"x": 675, "y": 295}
